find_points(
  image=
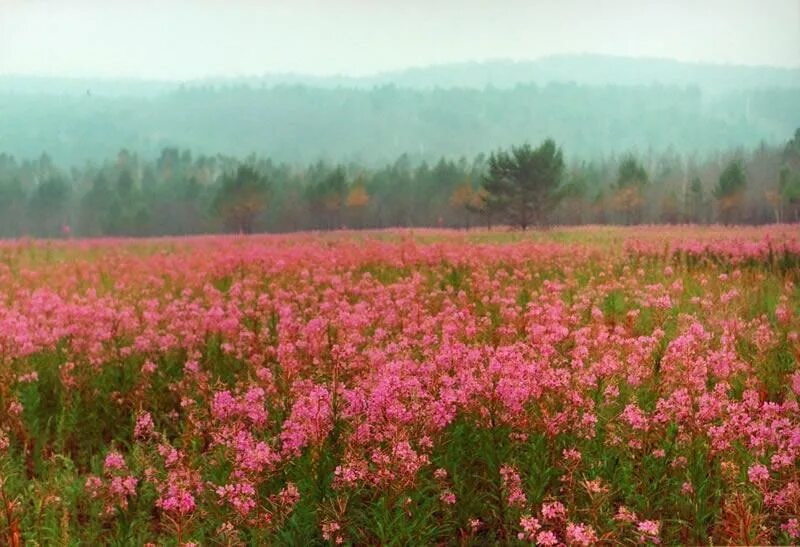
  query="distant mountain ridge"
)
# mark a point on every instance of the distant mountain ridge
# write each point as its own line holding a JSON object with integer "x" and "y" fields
{"x": 592, "y": 106}
{"x": 585, "y": 69}
{"x": 599, "y": 70}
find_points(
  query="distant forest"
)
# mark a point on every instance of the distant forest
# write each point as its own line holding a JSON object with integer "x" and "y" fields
{"x": 593, "y": 106}
{"x": 640, "y": 141}
{"x": 182, "y": 193}
{"x": 299, "y": 124}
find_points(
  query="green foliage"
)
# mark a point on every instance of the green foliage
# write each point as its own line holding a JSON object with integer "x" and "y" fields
{"x": 696, "y": 201}
{"x": 524, "y": 183}
{"x": 631, "y": 173}
{"x": 789, "y": 184}
{"x": 48, "y": 204}
{"x": 732, "y": 181}
{"x": 326, "y": 193}
{"x": 179, "y": 192}
{"x": 241, "y": 198}
{"x": 729, "y": 191}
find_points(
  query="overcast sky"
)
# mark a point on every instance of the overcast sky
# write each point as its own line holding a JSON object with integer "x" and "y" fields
{"x": 180, "y": 39}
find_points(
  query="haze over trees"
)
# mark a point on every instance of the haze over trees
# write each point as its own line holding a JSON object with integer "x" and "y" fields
{"x": 592, "y": 106}
{"x": 629, "y": 194}
{"x": 241, "y": 198}
{"x": 623, "y": 141}
{"x": 730, "y": 191}
{"x": 183, "y": 193}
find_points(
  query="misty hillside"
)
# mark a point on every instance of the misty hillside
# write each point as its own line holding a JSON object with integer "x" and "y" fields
{"x": 455, "y": 110}
{"x": 596, "y": 70}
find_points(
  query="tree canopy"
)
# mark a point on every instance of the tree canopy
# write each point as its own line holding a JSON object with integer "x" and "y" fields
{"x": 730, "y": 191}
{"x": 524, "y": 183}
{"x": 242, "y": 197}
{"x": 184, "y": 192}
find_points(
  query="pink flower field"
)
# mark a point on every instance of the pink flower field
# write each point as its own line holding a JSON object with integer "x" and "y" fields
{"x": 573, "y": 386}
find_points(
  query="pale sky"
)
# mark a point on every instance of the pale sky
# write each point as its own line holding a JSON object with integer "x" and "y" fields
{"x": 182, "y": 39}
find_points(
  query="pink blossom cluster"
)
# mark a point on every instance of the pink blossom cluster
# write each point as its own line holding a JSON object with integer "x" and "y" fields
{"x": 242, "y": 365}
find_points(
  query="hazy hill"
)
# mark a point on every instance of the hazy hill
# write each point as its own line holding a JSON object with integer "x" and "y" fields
{"x": 592, "y": 105}
{"x": 597, "y": 70}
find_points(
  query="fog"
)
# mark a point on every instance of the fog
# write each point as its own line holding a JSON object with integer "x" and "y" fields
{"x": 147, "y": 118}
{"x": 184, "y": 39}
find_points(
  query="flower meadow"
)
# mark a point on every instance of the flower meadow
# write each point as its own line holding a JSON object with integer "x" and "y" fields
{"x": 574, "y": 386}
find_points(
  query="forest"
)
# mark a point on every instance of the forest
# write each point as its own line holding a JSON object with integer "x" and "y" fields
{"x": 301, "y": 124}
{"x": 593, "y": 106}
{"x": 181, "y": 192}
{"x": 634, "y": 141}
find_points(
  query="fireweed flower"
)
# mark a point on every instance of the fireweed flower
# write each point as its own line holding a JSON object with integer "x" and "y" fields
{"x": 530, "y": 526}
{"x": 625, "y": 515}
{"x": 241, "y": 496}
{"x": 330, "y": 532}
{"x": 447, "y": 497}
{"x": 758, "y": 474}
{"x": 267, "y": 357}
{"x": 177, "y": 500}
{"x": 649, "y": 531}
{"x": 28, "y": 378}
{"x": 512, "y": 484}
{"x": 547, "y": 538}
{"x": 309, "y": 421}
{"x": 114, "y": 460}
{"x": 15, "y": 408}
{"x": 580, "y": 534}
{"x": 144, "y": 426}
{"x": 554, "y": 511}
{"x": 792, "y": 528}
{"x": 115, "y": 487}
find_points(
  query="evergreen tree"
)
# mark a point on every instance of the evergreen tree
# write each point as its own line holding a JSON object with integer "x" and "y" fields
{"x": 729, "y": 192}
{"x": 242, "y": 198}
{"x": 523, "y": 184}
{"x": 629, "y": 195}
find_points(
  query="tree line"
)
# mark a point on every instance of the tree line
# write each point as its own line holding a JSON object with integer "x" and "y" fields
{"x": 522, "y": 186}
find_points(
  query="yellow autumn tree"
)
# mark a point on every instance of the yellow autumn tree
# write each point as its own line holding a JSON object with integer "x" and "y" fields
{"x": 465, "y": 199}
{"x": 357, "y": 201}
{"x": 357, "y": 198}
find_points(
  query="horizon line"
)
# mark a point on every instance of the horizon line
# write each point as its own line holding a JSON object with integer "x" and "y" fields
{"x": 398, "y": 71}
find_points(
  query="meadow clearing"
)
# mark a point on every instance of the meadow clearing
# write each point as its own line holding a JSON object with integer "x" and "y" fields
{"x": 573, "y": 386}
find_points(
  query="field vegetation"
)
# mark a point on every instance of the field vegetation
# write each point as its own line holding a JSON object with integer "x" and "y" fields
{"x": 567, "y": 386}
